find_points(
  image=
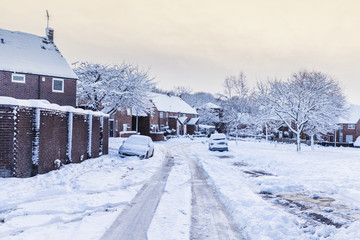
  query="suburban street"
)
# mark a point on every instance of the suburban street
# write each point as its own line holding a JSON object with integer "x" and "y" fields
{"x": 256, "y": 190}
{"x": 209, "y": 217}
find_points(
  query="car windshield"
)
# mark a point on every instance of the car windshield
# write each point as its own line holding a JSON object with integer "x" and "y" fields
{"x": 137, "y": 140}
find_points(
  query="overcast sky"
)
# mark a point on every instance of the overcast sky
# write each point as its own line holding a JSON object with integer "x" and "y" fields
{"x": 197, "y": 43}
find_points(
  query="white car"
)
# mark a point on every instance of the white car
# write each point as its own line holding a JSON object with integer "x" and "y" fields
{"x": 357, "y": 142}
{"x": 137, "y": 145}
{"x": 218, "y": 142}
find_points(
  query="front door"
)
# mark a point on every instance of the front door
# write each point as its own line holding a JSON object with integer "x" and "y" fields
{"x": 111, "y": 122}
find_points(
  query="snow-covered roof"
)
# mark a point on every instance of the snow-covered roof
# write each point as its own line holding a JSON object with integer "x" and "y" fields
{"x": 353, "y": 115}
{"x": 193, "y": 121}
{"x": 182, "y": 120}
{"x": 27, "y": 53}
{"x": 210, "y": 105}
{"x": 165, "y": 103}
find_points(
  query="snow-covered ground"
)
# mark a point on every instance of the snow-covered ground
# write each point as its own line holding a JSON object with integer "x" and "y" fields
{"x": 271, "y": 191}
{"x": 79, "y": 201}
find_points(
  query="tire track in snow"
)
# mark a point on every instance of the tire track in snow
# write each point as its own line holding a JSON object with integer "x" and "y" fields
{"x": 134, "y": 221}
{"x": 210, "y": 219}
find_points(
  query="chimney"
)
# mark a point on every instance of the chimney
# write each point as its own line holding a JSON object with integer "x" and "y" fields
{"x": 50, "y": 34}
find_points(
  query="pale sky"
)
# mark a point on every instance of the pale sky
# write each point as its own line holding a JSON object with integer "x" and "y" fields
{"x": 197, "y": 43}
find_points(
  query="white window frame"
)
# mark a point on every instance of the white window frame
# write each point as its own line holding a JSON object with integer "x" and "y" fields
{"x": 18, "y": 75}
{"x": 63, "y": 86}
{"x": 351, "y": 126}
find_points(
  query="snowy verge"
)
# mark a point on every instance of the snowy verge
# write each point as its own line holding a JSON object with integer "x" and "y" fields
{"x": 79, "y": 201}
{"x": 251, "y": 168}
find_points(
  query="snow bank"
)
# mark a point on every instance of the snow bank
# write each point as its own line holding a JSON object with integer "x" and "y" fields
{"x": 78, "y": 201}
{"x": 44, "y": 104}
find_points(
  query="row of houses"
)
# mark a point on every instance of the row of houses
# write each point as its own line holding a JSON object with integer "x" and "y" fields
{"x": 32, "y": 67}
{"x": 167, "y": 114}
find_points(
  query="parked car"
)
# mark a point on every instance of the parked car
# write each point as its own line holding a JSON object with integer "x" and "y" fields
{"x": 137, "y": 145}
{"x": 218, "y": 142}
{"x": 357, "y": 142}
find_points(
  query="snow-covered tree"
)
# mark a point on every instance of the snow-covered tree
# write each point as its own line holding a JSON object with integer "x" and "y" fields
{"x": 237, "y": 105}
{"x": 107, "y": 88}
{"x": 307, "y": 100}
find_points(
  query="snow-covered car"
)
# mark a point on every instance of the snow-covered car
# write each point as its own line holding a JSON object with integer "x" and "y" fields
{"x": 218, "y": 142}
{"x": 357, "y": 142}
{"x": 137, "y": 145}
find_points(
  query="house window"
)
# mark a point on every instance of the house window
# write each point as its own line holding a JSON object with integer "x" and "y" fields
{"x": 351, "y": 126}
{"x": 58, "y": 85}
{"x": 167, "y": 114}
{"x": 19, "y": 78}
{"x": 116, "y": 125}
{"x": 184, "y": 115}
{"x": 128, "y": 112}
{"x": 161, "y": 114}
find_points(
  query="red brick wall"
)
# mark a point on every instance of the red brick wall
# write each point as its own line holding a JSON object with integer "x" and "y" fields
{"x": 106, "y": 136}
{"x": 157, "y": 136}
{"x": 30, "y": 89}
{"x": 191, "y": 129}
{"x": 17, "y": 139}
{"x": 53, "y": 139}
{"x": 95, "y": 140}
{"x": 120, "y": 118}
{"x": 346, "y": 131}
{"x": 24, "y": 139}
{"x": 6, "y": 141}
{"x": 68, "y": 97}
{"x": 79, "y": 138}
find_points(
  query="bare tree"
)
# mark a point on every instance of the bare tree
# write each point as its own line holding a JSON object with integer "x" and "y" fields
{"x": 237, "y": 106}
{"x": 180, "y": 90}
{"x": 307, "y": 100}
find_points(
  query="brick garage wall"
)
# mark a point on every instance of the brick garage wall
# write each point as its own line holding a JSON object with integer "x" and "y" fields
{"x": 79, "y": 138}
{"x": 105, "y": 135}
{"x": 95, "y": 139}
{"x": 24, "y": 138}
{"x": 18, "y": 139}
{"x": 53, "y": 139}
{"x": 6, "y": 141}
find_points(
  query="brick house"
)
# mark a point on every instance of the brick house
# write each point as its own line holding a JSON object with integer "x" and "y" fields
{"x": 167, "y": 113}
{"x": 349, "y": 126}
{"x": 172, "y": 113}
{"x": 32, "y": 67}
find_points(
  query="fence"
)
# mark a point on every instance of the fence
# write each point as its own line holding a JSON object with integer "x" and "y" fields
{"x": 35, "y": 136}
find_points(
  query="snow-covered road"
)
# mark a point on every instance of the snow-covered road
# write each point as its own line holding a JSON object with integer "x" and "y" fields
{"x": 255, "y": 191}
{"x": 135, "y": 219}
